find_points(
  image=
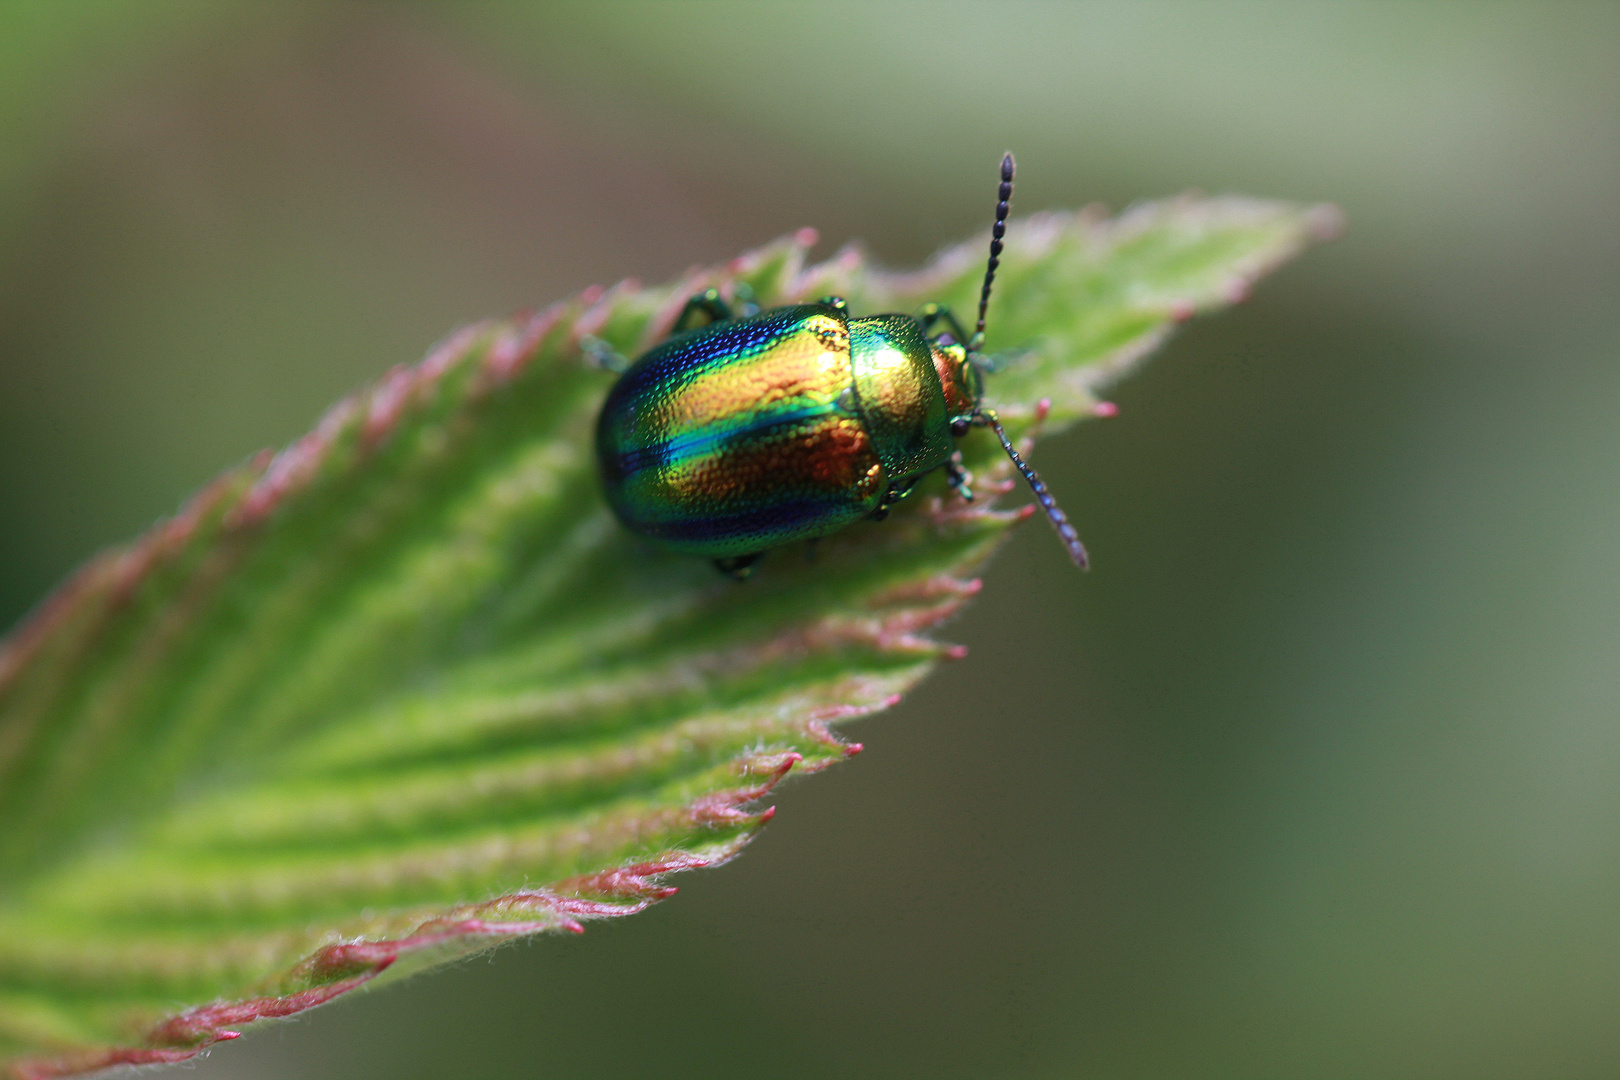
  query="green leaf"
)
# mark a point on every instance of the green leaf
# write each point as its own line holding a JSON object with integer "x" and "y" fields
{"x": 406, "y": 689}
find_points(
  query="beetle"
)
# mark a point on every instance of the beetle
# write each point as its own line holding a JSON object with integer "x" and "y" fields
{"x": 760, "y": 428}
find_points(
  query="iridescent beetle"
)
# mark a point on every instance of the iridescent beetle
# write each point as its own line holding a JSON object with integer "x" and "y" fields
{"x": 764, "y": 427}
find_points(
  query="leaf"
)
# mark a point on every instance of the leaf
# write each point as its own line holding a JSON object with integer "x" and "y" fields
{"x": 405, "y": 689}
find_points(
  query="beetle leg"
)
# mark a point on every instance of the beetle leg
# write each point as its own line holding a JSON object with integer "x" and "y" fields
{"x": 708, "y": 302}
{"x": 958, "y": 477}
{"x": 896, "y": 492}
{"x": 742, "y": 294}
{"x": 991, "y": 363}
{"x": 933, "y": 313}
{"x": 603, "y": 356}
{"x": 737, "y": 567}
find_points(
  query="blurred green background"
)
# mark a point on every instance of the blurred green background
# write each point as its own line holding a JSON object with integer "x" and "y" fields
{"x": 1317, "y": 774}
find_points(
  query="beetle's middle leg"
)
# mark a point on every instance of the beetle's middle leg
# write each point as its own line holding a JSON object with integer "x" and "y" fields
{"x": 897, "y": 491}
{"x": 958, "y": 477}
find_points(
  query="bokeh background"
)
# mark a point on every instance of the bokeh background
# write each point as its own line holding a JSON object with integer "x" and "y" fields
{"x": 1317, "y": 774}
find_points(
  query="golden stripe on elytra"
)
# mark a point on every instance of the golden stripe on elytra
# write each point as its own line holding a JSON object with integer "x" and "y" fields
{"x": 811, "y": 365}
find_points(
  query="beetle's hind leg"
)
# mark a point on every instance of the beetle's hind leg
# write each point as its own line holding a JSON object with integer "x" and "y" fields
{"x": 738, "y": 567}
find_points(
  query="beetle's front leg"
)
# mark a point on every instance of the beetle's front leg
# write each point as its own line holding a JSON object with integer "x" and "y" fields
{"x": 933, "y": 313}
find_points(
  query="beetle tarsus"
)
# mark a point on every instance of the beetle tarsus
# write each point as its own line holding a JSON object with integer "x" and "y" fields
{"x": 742, "y": 294}
{"x": 603, "y": 356}
{"x": 737, "y": 567}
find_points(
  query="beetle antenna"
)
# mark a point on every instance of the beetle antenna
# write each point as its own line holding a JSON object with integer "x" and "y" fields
{"x": 999, "y": 230}
{"x": 1059, "y": 520}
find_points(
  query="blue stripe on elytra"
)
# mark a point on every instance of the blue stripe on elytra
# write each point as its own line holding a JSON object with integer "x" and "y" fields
{"x": 698, "y": 443}
{"x": 696, "y": 348}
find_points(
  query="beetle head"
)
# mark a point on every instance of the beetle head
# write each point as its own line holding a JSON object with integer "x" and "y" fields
{"x": 959, "y": 378}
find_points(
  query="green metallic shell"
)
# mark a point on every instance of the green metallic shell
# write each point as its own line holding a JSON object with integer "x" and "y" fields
{"x": 740, "y": 436}
{"x": 750, "y": 433}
